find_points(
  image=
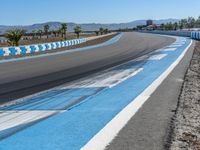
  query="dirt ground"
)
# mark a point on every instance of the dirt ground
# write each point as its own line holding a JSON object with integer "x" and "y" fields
{"x": 88, "y": 43}
{"x": 186, "y": 127}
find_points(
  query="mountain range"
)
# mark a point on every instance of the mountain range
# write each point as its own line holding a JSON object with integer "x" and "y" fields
{"x": 85, "y": 27}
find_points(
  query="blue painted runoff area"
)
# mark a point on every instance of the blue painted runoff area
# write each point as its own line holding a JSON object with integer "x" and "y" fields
{"x": 109, "y": 42}
{"x": 58, "y": 99}
{"x": 72, "y": 129}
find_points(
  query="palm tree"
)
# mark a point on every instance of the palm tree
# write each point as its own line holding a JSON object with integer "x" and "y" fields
{"x": 180, "y": 25}
{"x": 97, "y": 33}
{"x": 33, "y": 34}
{"x": 198, "y": 22}
{"x": 162, "y": 26}
{"x": 77, "y": 30}
{"x": 175, "y": 26}
{"x": 184, "y": 23}
{"x": 46, "y": 30}
{"x": 59, "y": 32}
{"x": 169, "y": 26}
{"x": 14, "y": 36}
{"x": 54, "y": 33}
{"x": 106, "y": 31}
{"x": 64, "y": 29}
{"x": 191, "y": 22}
{"x": 101, "y": 30}
{"x": 39, "y": 32}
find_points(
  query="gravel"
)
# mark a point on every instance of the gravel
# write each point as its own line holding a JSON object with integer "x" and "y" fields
{"x": 186, "y": 125}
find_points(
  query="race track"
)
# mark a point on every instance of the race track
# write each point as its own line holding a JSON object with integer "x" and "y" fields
{"x": 111, "y": 82}
{"x": 22, "y": 77}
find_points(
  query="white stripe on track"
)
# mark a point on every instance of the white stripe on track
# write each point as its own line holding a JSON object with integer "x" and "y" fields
{"x": 106, "y": 79}
{"x": 10, "y": 119}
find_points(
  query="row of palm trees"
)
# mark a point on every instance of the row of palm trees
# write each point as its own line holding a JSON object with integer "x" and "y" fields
{"x": 188, "y": 23}
{"x": 61, "y": 31}
{"x": 14, "y": 36}
{"x": 102, "y": 31}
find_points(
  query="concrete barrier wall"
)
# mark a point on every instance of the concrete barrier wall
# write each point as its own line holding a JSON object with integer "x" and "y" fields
{"x": 195, "y": 35}
{"x": 21, "y": 50}
{"x": 175, "y": 33}
{"x": 192, "y": 34}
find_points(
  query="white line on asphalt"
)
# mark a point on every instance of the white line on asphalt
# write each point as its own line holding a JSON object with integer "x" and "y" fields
{"x": 151, "y": 57}
{"x": 108, "y": 133}
{"x": 169, "y": 49}
{"x": 111, "y": 78}
{"x": 157, "y": 57}
{"x": 166, "y": 50}
{"x": 10, "y": 119}
{"x": 179, "y": 43}
{"x": 175, "y": 45}
{"x": 106, "y": 79}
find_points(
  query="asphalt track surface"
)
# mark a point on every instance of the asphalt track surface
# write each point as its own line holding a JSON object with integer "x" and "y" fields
{"x": 24, "y": 77}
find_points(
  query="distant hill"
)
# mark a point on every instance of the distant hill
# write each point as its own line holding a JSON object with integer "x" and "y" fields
{"x": 85, "y": 27}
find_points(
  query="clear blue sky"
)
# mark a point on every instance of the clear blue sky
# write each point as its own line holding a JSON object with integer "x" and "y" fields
{"x": 24, "y": 12}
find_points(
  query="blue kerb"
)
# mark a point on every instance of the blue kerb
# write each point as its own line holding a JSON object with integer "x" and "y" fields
{"x": 57, "y": 45}
{"x": 32, "y": 47}
{"x": 1, "y": 52}
{"x": 72, "y": 42}
{"x": 47, "y": 46}
{"x": 61, "y": 44}
{"x": 40, "y": 48}
{"x": 52, "y": 46}
{"x": 12, "y": 51}
{"x": 23, "y": 50}
{"x": 68, "y": 43}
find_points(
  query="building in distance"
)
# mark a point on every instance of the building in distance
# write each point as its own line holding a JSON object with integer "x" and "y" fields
{"x": 149, "y": 22}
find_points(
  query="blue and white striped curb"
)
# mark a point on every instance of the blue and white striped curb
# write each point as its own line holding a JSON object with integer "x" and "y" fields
{"x": 106, "y": 43}
{"x": 195, "y": 35}
{"x": 21, "y": 50}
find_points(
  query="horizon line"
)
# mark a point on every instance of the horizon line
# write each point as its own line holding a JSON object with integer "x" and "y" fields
{"x": 85, "y": 23}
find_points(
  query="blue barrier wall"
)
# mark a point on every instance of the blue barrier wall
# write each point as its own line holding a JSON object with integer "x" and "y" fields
{"x": 195, "y": 35}
{"x": 21, "y": 50}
